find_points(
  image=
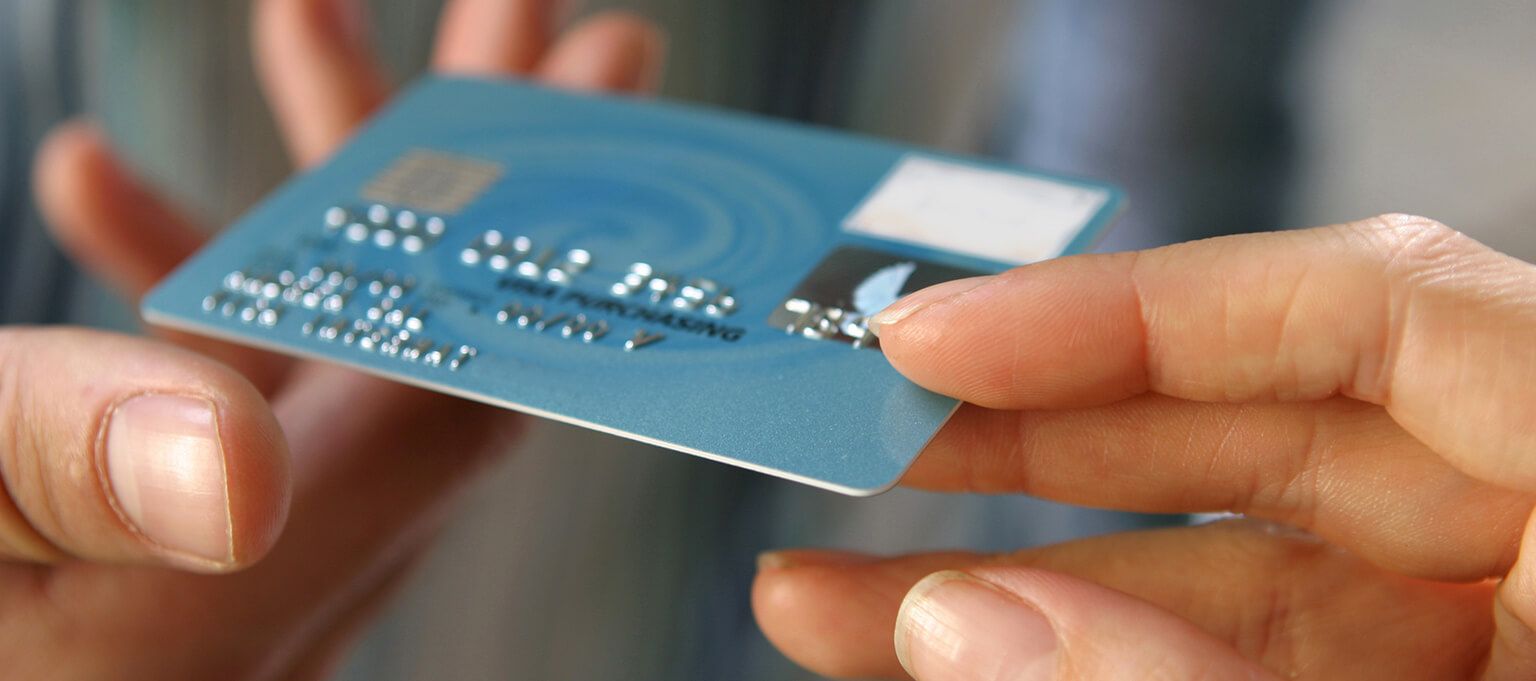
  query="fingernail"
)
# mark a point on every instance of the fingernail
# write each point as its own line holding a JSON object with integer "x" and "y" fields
{"x": 912, "y": 304}
{"x": 783, "y": 560}
{"x": 165, "y": 464}
{"x": 954, "y": 627}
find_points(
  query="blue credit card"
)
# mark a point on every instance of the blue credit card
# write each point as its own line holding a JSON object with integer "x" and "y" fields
{"x": 688, "y": 278}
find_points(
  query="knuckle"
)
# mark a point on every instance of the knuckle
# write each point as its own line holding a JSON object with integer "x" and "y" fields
{"x": 1402, "y": 229}
{"x": 1268, "y": 629}
{"x": 1287, "y": 485}
{"x": 1413, "y": 248}
{"x": 1418, "y": 266}
{"x": 1296, "y": 496}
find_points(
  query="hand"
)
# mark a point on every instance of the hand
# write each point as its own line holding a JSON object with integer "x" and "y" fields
{"x": 125, "y": 457}
{"x": 1365, "y": 394}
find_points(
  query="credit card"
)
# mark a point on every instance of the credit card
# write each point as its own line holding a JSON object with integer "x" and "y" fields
{"x": 689, "y": 278}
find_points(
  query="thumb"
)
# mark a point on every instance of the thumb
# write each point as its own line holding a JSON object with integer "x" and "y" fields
{"x": 1020, "y": 623}
{"x": 122, "y": 450}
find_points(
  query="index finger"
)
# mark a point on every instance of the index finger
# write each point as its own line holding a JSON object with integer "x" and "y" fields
{"x": 1398, "y": 311}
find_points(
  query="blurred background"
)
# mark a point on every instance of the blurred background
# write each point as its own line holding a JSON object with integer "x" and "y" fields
{"x": 589, "y": 558}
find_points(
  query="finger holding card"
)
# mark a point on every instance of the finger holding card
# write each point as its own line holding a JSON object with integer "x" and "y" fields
{"x": 370, "y": 483}
{"x": 1363, "y": 384}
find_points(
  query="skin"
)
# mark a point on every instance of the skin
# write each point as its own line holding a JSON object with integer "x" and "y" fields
{"x": 1364, "y": 387}
{"x": 1361, "y": 393}
{"x": 337, "y": 481}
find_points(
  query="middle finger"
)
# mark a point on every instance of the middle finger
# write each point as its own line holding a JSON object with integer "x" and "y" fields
{"x": 1340, "y": 468}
